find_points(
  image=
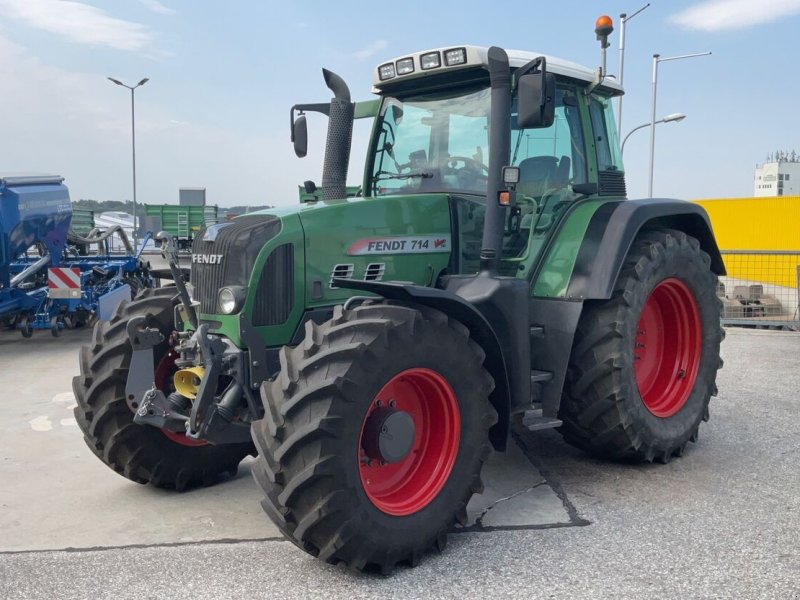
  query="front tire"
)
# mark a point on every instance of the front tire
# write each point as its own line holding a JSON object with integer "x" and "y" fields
{"x": 141, "y": 453}
{"x": 644, "y": 363}
{"x": 326, "y": 485}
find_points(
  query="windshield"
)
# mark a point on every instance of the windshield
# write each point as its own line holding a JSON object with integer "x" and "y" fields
{"x": 440, "y": 143}
{"x": 433, "y": 143}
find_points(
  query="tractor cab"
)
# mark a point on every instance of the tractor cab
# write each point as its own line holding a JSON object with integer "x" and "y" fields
{"x": 432, "y": 135}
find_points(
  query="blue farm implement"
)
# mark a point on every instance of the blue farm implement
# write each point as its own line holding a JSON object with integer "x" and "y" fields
{"x": 50, "y": 276}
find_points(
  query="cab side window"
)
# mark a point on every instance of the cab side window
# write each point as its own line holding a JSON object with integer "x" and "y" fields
{"x": 605, "y": 134}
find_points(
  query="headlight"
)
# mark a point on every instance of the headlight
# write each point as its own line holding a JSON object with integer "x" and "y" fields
{"x": 456, "y": 56}
{"x": 230, "y": 299}
{"x": 386, "y": 71}
{"x": 405, "y": 66}
{"x": 431, "y": 60}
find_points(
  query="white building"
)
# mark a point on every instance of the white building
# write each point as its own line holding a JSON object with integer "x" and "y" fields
{"x": 779, "y": 176}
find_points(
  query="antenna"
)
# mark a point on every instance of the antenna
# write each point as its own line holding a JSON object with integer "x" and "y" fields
{"x": 603, "y": 28}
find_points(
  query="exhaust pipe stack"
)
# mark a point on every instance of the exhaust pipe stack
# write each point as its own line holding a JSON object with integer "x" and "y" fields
{"x": 340, "y": 134}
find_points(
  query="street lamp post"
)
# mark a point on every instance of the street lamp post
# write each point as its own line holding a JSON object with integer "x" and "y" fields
{"x": 623, "y": 19}
{"x": 673, "y": 118}
{"x": 133, "y": 146}
{"x": 658, "y": 59}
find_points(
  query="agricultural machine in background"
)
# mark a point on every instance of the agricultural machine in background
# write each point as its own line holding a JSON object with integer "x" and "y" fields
{"x": 181, "y": 222}
{"x": 53, "y": 276}
{"x": 374, "y": 350}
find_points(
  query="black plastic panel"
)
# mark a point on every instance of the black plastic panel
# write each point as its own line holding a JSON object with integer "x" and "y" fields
{"x": 612, "y": 183}
{"x": 275, "y": 289}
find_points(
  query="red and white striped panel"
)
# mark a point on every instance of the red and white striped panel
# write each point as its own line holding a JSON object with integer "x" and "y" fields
{"x": 64, "y": 282}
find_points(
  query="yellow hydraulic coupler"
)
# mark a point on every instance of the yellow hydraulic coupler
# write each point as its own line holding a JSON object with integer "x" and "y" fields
{"x": 188, "y": 380}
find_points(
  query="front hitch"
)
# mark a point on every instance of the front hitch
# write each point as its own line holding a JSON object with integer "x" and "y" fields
{"x": 201, "y": 418}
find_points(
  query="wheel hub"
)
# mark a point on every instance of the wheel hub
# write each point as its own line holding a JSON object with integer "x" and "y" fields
{"x": 409, "y": 441}
{"x": 667, "y": 348}
{"x": 388, "y": 435}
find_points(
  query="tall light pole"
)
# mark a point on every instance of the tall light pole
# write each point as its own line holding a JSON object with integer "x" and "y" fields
{"x": 657, "y": 59}
{"x": 673, "y": 118}
{"x": 133, "y": 146}
{"x": 623, "y": 19}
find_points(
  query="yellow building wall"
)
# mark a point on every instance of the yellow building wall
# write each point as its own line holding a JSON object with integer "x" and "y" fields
{"x": 757, "y": 224}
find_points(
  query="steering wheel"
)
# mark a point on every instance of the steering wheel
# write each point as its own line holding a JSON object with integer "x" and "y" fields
{"x": 470, "y": 164}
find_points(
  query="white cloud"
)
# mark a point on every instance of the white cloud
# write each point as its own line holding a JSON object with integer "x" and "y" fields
{"x": 370, "y": 50}
{"x": 78, "y": 22}
{"x": 718, "y": 15}
{"x": 157, "y": 7}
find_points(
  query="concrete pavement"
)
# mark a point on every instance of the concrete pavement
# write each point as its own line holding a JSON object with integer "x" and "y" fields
{"x": 721, "y": 522}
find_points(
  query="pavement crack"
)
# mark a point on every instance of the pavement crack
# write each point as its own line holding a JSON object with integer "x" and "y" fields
{"x": 485, "y": 511}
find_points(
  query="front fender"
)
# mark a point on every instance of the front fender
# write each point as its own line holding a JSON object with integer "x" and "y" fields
{"x": 480, "y": 330}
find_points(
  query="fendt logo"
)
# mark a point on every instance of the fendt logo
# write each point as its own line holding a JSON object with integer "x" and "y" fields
{"x": 207, "y": 259}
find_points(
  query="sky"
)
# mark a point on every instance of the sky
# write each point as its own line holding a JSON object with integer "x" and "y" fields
{"x": 224, "y": 74}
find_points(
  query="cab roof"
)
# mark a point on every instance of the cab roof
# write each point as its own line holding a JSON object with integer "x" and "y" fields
{"x": 477, "y": 56}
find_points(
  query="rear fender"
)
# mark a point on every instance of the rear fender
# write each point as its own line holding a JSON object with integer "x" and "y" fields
{"x": 612, "y": 231}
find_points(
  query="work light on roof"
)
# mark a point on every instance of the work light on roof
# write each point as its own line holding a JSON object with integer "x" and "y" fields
{"x": 405, "y": 66}
{"x": 455, "y": 56}
{"x": 430, "y": 60}
{"x": 386, "y": 71}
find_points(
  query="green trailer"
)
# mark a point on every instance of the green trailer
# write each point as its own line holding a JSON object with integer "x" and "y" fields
{"x": 182, "y": 222}
{"x": 82, "y": 221}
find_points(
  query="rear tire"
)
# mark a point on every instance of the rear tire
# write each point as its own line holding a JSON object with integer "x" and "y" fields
{"x": 141, "y": 453}
{"x": 632, "y": 392}
{"x": 312, "y": 443}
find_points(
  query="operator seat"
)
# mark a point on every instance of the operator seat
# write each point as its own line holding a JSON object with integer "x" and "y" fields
{"x": 535, "y": 175}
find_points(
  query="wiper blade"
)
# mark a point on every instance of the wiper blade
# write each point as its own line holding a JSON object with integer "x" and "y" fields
{"x": 383, "y": 175}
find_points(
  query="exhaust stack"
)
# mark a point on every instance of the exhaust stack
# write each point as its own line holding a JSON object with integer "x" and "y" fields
{"x": 340, "y": 134}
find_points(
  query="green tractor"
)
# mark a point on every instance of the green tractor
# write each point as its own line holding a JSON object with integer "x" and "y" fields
{"x": 372, "y": 351}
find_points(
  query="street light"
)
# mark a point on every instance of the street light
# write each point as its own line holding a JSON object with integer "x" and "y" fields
{"x": 133, "y": 146}
{"x": 673, "y": 118}
{"x": 657, "y": 59}
{"x": 623, "y": 19}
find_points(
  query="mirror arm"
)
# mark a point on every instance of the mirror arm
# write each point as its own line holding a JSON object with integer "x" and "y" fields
{"x": 324, "y": 108}
{"x": 539, "y": 62}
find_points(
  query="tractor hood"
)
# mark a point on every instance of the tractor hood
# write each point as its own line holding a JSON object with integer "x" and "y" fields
{"x": 285, "y": 259}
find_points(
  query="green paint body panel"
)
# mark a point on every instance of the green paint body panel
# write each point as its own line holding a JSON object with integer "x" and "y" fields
{"x": 553, "y": 278}
{"x": 323, "y": 235}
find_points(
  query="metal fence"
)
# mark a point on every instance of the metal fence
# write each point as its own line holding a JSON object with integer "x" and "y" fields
{"x": 762, "y": 288}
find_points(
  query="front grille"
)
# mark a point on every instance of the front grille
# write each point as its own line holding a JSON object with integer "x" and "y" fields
{"x": 275, "y": 290}
{"x": 228, "y": 257}
{"x": 612, "y": 183}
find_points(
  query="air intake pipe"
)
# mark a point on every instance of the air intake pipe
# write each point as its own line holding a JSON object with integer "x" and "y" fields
{"x": 340, "y": 134}
{"x": 499, "y": 150}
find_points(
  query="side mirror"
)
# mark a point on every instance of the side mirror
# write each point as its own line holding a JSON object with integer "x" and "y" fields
{"x": 300, "y": 136}
{"x": 397, "y": 114}
{"x": 536, "y": 100}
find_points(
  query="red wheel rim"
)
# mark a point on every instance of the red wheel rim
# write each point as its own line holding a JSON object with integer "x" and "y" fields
{"x": 666, "y": 352}
{"x": 409, "y": 485}
{"x": 163, "y": 381}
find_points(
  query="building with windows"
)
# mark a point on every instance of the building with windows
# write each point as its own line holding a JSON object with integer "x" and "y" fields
{"x": 778, "y": 176}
